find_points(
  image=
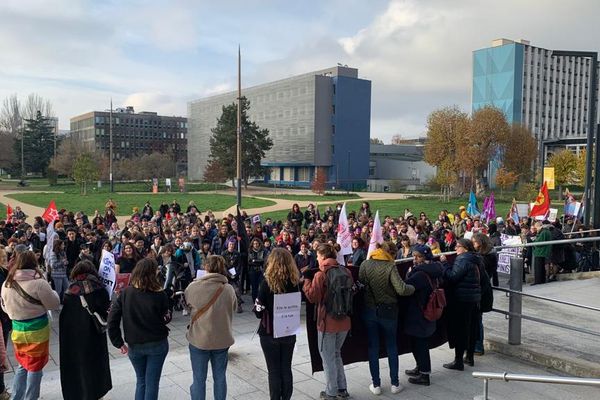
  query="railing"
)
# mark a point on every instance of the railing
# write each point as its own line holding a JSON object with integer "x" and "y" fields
{"x": 507, "y": 377}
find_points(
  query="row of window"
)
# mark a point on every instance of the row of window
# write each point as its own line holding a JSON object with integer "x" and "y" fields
{"x": 141, "y": 135}
{"x": 131, "y": 122}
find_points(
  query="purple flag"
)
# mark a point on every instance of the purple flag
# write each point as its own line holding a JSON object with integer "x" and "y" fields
{"x": 491, "y": 208}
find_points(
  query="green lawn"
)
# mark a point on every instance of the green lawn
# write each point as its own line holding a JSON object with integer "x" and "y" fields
{"x": 125, "y": 202}
{"x": 312, "y": 197}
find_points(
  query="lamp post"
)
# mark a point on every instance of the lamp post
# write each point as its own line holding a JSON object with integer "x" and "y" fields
{"x": 239, "y": 133}
{"x": 110, "y": 149}
{"x": 593, "y": 56}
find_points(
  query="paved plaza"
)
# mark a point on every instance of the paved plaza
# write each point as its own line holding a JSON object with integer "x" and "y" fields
{"x": 247, "y": 376}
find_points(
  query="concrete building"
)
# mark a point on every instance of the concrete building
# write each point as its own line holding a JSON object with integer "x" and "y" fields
{"x": 398, "y": 167}
{"x": 316, "y": 120}
{"x": 549, "y": 94}
{"x": 134, "y": 134}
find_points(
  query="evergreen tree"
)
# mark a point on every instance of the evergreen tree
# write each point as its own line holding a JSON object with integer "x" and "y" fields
{"x": 38, "y": 144}
{"x": 223, "y": 144}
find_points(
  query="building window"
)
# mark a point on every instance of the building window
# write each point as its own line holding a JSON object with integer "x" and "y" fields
{"x": 288, "y": 174}
{"x": 275, "y": 174}
{"x": 304, "y": 174}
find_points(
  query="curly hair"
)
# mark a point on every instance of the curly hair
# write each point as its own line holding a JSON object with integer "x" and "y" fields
{"x": 281, "y": 269}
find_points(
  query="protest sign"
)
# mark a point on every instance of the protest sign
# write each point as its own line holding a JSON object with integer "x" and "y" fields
{"x": 122, "y": 282}
{"x": 505, "y": 255}
{"x": 232, "y": 272}
{"x": 200, "y": 273}
{"x": 107, "y": 271}
{"x": 286, "y": 314}
{"x": 553, "y": 214}
{"x": 523, "y": 209}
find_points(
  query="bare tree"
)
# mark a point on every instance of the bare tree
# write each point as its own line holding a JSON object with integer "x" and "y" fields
{"x": 11, "y": 119}
{"x": 35, "y": 103}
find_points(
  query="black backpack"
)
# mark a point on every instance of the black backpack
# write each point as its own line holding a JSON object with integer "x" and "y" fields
{"x": 340, "y": 292}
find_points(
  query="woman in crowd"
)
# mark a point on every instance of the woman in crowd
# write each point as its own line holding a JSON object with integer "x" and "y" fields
{"x": 295, "y": 217}
{"x": 405, "y": 250}
{"x": 483, "y": 245}
{"x": 26, "y": 298}
{"x": 5, "y": 321}
{"x": 144, "y": 308}
{"x": 305, "y": 259}
{"x": 331, "y": 331}
{"x": 84, "y": 367}
{"x": 212, "y": 301}
{"x": 383, "y": 285}
{"x": 424, "y": 275}
{"x": 57, "y": 267}
{"x": 128, "y": 259}
{"x": 463, "y": 294}
{"x": 281, "y": 276}
{"x": 358, "y": 252}
{"x": 256, "y": 261}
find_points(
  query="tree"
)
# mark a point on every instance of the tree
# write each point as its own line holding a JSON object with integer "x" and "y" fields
{"x": 319, "y": 182}
{"x": 38, "y": 144}
{"x": 505, "y": 179}
{"x": 375, "y": 140}
{"x": 487, "y": 133}
{"x": 144, "y": 167}
{"x": 565, "y": 164}
{"x": 85, "y": 170}
{"x": 11, "y": 119}
{"x": 66, "y": 154}
{"x": 580, "y": 170}
{"x": 36, "y": 103}
{"x": 255, "y": 143}
{"x": 447, "y": 132}
{"x": 214, "y": 172}
{"x": 520, "y": 151}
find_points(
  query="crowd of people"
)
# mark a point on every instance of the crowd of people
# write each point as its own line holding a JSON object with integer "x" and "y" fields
{"x": 220, "y": 264}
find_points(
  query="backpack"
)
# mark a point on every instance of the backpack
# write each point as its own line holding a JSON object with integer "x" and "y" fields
{"x": 487, "y": 294}
{"x": 340, "y": 293}
{"x": 435, "y": 304}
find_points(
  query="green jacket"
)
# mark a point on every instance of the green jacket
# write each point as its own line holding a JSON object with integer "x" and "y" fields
{"x": 543, "y": 251}
{"x": 383, "y": 282}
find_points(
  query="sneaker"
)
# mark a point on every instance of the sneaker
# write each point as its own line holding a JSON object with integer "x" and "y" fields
{"x": 397, "y": 389}
{"x": 376, "y": 390}
{"x": 342, "y": 394}
{"x": 324, "y": 396}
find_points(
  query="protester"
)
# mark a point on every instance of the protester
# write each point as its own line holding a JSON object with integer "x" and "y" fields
{"x": 541, "y": 254}
{"x": 212, "y": 301}
{"x": 144, "y": 309}
{"x": 256, "y": 262}
{"x": 281, "y": 276}
{"x": 383, "y": 285}
{"x": 331, "y": 331}
{"x": 483, "y": 245}
{"x": 26, "y": 298}
{"x": 5, "y": 325}
{"x": 463, "y": 293}
{"x": 84, "y": 366}
{"x": 424, "y": 276}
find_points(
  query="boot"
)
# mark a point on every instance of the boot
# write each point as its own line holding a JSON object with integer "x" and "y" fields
{"x": 412, "y": 372}
{"x": 421, "y": 379}
{"x": 469, "y": 361}
{"x": 456, "y": 365}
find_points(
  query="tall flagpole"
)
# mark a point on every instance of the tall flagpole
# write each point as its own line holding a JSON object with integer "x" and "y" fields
{"x": 110, "y": 149}
{"x": 239, "y": 132}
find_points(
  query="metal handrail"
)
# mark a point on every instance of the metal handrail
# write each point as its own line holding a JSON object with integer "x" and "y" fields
{"x": 579, "y": 232}
{"x": 550, "y": 242}
{"x": 547, "y": 322}
{"x": 506, "y": 377}
{"x": 535, "y": 296}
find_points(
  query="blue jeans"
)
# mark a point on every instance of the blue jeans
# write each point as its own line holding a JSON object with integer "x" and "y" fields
{"x": 26, "y": 385}
{"x": 147, "y": 360}
{"x": 61, "y": 284}
{"x": 218, "y": 362}
{"x": 330, "y": 349}
{"x": 389, "y": 328}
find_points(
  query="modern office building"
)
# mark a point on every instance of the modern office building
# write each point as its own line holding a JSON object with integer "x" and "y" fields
{"x": 549, "y": 94}
{"x": 396, "y": 167}
{"x": 134, "y": 134}
{"x": 316, "y": 120}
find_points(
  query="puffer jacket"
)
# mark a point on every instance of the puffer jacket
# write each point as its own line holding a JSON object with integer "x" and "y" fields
{"x": 415, "y": 323}
{"x": 383, "y": 281}
{"x": 462, "y": 279}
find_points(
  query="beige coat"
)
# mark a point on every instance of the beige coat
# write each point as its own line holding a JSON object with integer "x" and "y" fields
{"x": 37, "y": 287}
{"x": 213, "y": 330}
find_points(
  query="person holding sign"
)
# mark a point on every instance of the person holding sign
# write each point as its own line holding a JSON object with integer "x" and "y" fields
{"x": 278, "y": 307}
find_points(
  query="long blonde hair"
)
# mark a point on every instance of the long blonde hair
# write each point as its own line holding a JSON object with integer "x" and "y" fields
{"x": 281, "y": 269}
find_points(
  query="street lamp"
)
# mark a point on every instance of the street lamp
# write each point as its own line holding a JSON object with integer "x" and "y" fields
{"x": 593, "y": 56}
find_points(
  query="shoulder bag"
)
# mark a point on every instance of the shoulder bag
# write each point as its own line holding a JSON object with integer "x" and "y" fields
{"x": 208, "y": 305}
{"x": 99, "y": 322}
{"x": 15, "y": 285}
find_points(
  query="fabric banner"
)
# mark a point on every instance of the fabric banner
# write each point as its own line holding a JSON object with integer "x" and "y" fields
{"x": 107, "y": 271}
{"x": 286, "y": 314}
{"x": 376, "y": 235}
{"x": 344, "y": 236}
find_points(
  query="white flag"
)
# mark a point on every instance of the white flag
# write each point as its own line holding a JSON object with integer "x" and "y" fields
{"x": 50, "y": 234}
{"x": 376, "y": 235}
{"x": 107, "y": 272}
{"x": 344, "y": 236}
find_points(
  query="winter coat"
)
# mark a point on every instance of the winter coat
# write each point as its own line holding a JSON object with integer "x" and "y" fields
{"x": 84, "y": 365}
{"x": 415, "y": 323}
{"x": 265, "y": 299}
{"x": 462, "y": 278}
{"x": 34, "y": 284}
{"x": 546, "y": 250}
{"x": 383, "y": 282}
{"x": 359, "y": 255}
{"x": 315, "y": 290}
{"x": 490, "y": 263}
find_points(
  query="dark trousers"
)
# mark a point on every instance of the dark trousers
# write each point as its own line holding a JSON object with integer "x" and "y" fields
{"x": 463, "y": 328}
{"x": 420, "y": 350}
{"x": 539, "y": 270}
{"x": 278, "y": 355}
{"x": 244, "y": 279}
{"x": 256, "y": 276}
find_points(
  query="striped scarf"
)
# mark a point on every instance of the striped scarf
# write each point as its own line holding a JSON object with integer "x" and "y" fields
{"x": 31, "y": 340}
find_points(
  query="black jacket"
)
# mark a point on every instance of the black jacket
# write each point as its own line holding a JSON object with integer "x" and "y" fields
{"x": 490, "y": 263}
{"x": 462, "y": 278}
{"x": 415, "y": 323}
{"x": 265, "y": 299}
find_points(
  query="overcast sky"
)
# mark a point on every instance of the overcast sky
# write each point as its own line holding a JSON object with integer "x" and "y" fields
{"x": 157, "y": 55}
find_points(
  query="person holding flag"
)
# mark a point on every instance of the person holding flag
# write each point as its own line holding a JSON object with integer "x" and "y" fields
{"x": 344, "y": 236}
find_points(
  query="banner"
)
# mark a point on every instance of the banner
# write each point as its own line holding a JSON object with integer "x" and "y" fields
{"x": 286, "y": 314}
{"x": 549, "y": 177}
{"x": 376, "y": 235}
{"x": 107, "y": 271}
{"x": 505, "y": 255}
{"x": 344, "y": 236}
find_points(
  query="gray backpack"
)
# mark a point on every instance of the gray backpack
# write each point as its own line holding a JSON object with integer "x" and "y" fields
{"x": 340, "y": 292}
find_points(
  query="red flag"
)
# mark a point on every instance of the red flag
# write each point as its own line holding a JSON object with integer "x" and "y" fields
{"x": 541, "y": 207}
{"x": 51, "y": 213}
{"x": 9, "y": 212}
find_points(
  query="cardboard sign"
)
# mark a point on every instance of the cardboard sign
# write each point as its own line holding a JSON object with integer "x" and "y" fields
{"x": 107, "y": 271}
{"x": 286, "y": 314}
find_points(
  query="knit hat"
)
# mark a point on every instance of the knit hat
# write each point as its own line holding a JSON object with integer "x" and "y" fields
{"x": 423, "y": 250}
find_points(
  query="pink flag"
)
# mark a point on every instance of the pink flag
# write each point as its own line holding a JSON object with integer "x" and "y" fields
{"x": 344, "y": 236}
{"x": 376, "y": 235}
